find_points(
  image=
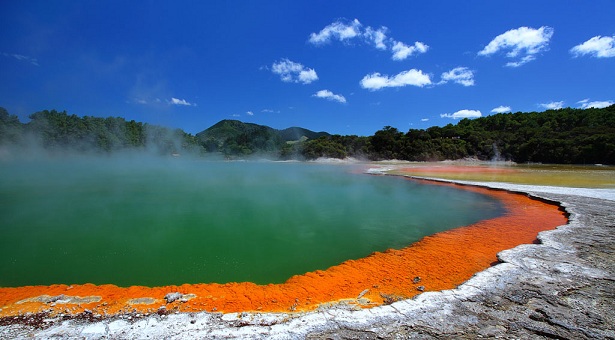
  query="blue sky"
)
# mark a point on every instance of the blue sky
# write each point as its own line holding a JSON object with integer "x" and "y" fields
{"x": 345, "y": 67}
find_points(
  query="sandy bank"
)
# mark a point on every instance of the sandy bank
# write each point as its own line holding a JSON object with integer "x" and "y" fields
{"x": 560, "y": 288}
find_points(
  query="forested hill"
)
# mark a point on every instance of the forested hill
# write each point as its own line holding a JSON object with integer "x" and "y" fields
{"x": 233, "y": 137}
{"x": 237, "y": 138}
{"x": 567, "y": 136}
{"x": 300, "y": 134}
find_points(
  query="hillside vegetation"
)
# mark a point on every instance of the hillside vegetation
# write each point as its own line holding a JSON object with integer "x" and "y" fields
{"x": 232, "y": 137}
{"x": 59, "y": 132}
{"x": 566, "y": 136}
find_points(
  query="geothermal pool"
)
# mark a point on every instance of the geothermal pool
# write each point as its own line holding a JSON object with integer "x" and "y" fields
{"x": 164, "y": 221}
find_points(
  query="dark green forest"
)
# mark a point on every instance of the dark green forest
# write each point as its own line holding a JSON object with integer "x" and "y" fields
{"x": 564, "y": 136}
{"x": 59, "y": 132}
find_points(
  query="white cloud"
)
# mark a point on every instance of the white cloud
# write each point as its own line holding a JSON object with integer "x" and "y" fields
{"x": 501, "y": 109}
{"x": 150, "y": 101}
{"x": 462, "y": 114}
{"x": 376, "y": 81}
{"x": 522, "y": 43}
{"x": 552, "y": 105}
{"x": 424, "y": 119}
{"x": 337, "y": 30}
{"x": 175, "y": 101}
{"x": 377, "y": 37}
{"x": 586, "y": 104}
{"x": 344, "y": 32}
{"x": 250, "y": 113}
{"x": 459, "y": 75}
{"x": 21, "y": 57}
{"x": 599, "y": 47}
{"x": 140, "y": 101}
{"x": 307, "y": 76}
{"x": 326, "y": 94}
{"x": 522, "y": 61}
{"x": 290, "y": 71}
{"x": 267, "y": 111}
{"x": 402, "y": 51}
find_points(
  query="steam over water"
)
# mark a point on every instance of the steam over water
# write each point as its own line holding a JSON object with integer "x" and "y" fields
{"x": 159, "y": 221}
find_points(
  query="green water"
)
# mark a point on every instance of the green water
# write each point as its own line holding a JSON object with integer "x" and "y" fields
{"x": 146, "y": 221}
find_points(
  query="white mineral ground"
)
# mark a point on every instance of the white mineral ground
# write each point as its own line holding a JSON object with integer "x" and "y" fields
{"x": 563, "y": 288}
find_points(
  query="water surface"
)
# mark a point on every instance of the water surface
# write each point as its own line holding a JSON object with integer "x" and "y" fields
{"x": 157, "y": 221}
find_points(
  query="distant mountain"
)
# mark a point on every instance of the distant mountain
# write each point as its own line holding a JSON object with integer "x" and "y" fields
{"x": 297, "y": 133}
{"x": 233, "y": 137}
{"x": 232, "y": 129}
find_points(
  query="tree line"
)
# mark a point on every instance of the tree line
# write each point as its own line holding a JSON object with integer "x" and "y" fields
{"x": 565, "y": 136}
{"x": 55, "y": 131}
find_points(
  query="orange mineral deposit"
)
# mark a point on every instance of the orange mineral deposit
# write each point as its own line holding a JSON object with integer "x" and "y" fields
{"x": 441, "y": 261}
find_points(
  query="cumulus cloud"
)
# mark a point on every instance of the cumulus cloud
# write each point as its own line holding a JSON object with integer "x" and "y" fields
{"x": 424, "y": 119}
{"x": 462, "y": 114}
{"x": 552, "y": 105}
{"x": 292, "y": 72}
{"x": 522, "y": 44}
{"x": 22, "y": 57}
{"x": 598, "y": 46}
{"x": 377, "y": 37}
{"x": 250, "y": 113}
{"x": 337, "y": 30}
{"x": 326, "y": 94}
{"x": 183, "y": 102}
{"x": 501, "y": 109}
{"x": 459, "y": 75}
{"x": 402, "y": 51}
{"x": 599, "y": 104}
{"x": 586, "y": 104}
{"x": 346, "y": 31}
{"x": 307, "y": 76}
{"x": 376, "y": 81}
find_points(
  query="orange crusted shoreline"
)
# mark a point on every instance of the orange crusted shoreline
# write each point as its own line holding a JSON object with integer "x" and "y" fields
{"x": 437, "y": 262}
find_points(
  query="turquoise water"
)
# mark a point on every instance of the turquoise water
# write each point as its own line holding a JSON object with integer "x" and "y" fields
{"x": 157, "y": 221}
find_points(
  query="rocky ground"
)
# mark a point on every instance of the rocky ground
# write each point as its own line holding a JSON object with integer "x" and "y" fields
{"x": 563, "y": 288}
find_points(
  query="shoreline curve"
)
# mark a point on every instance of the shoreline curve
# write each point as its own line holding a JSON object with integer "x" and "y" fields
{"x": 335, "y": 319}
{"x": 436, "y": 262}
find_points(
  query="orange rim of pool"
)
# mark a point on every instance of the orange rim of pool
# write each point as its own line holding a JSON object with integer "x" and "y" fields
{"x": 437, "y": 262}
